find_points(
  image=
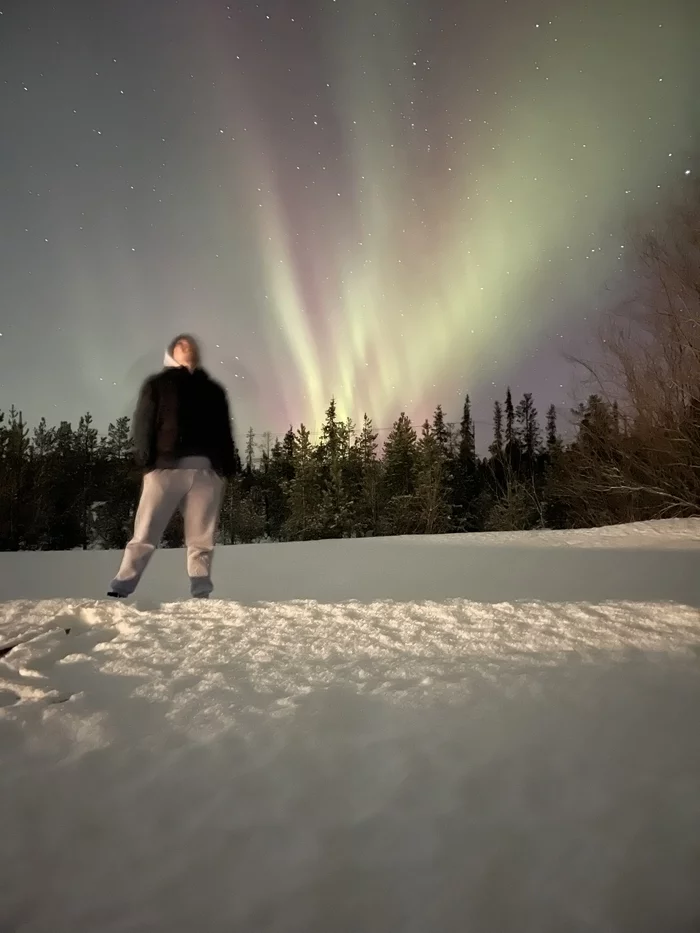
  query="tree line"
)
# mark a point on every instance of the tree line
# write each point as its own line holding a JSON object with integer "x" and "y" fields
{"x": 70, "y": 487}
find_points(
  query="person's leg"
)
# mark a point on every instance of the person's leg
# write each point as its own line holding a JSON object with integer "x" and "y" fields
{"x": 162, "y": 492}
{"x": 201, "y": 512}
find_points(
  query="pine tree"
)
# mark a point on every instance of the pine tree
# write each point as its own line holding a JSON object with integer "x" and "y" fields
{"x": 400, "y": 458}
{"x": 242, "y": 518}
{"x": 441, "y": 432}
{"x": 119, "y": 485}
{"x": 289, "y": 446}
{"x": 431, "y": 494}
{"x": 496, "y": 446}
{"x": 366, "y": 443}
{"x": 467, "y": 441}
{"x": 86, "y": 449}
{"x": 278, "y": 477}
{"x": 329, "y": 449}
{"x": 362, "y": 475}
{"x": 554, "y": 509}
{"x": 250, "y": 451}
{"x": 304, "y": 491}
{"x": 66, "y": 529}
{"x": 399, "y": 477}
{"x": 44, "y": 440}
{"x": 464, "y": 472}
{"x": 553, "y": 439}
{"x": 42, "y": 457}
{"x": 17, "y": 513}
{"x": 528, "y": 434}
{"x": 332, "y": 455}
{"x": 510, "y": 421}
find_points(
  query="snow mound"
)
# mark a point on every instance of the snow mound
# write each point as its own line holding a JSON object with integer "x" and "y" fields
{"x": 515, "y": 761}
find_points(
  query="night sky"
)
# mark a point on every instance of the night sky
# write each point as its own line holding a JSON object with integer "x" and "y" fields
{"x": 391, "y": 202}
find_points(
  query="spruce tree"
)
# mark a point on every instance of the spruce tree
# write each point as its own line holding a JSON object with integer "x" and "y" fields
{"x": 551, "y": 430}
{"x": 329, "y": 450}
{"x": 400, "y": 458}
{"x": 86, "y": 449}
{"x": 65, "y": 531}
{"x": 250, "y": 452}
{"x": 441, "y": 432}
{"x": 364, "y": 480}
{"x": 16, "y": 515}
{"x": 464, "y": 478}
{"x": 510, "y": 421}
{"x": 332, "y": 455}
{"x": 276, "y": 484}
{"x": 554, "y": 460}
{"x": 528, "y": 434}
{"x": 496, "y": 446}
{"x": 467, "y": 440}
{"x": 289, "y": 447}
{"x": 399, "y": 477}
{"x": 304, "y": 491}
{"x": 273, "y": 479}
{"x": 430, "y": 500}
{"x": 119, "y": 487}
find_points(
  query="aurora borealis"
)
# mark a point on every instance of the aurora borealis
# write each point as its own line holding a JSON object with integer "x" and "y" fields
{"x": 393, "y": 203}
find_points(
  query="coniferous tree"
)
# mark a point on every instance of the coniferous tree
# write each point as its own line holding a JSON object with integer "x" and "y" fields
{"x": 496, "y": 446}
{"x": 332, "y": 456}
{"x": 365, "y": 470}
{"x": 289, "y": 446}
{"x": 431, "y": 499}
{"x": 554, "y": 507}
{"x": 250, "y": 452}
{"x": 16, "y": 515}
{"x": 44, "y": 466}
{"x": 243, "y": 511}
{"x": 553, "y": 439}
{"x": 399, "y": 477}
{"x": 114, "y": 514}
{"x": 528, "y": 433}
{"x": 464, "y": 478}
{"x": 304, "y": 491}
{"x": 441, "y": 433}
{"x": 66, "y": 528}
{"x": 85, "y": 458}
{"x": 467, "y": 440}
{"x": 510, "y": 422}
{"x": 280, "y": 475}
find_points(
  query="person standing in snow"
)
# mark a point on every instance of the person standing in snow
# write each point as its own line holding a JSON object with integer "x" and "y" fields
{"x": 184, "y": 442}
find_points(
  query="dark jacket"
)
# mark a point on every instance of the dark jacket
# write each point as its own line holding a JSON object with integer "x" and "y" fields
{"x": 183, "y": 414}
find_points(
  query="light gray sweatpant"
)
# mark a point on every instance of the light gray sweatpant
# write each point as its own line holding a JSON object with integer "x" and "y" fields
{"x": 199, "y": 493}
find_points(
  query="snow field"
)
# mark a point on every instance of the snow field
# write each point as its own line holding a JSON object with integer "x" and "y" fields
{"x": 288, "y": 761}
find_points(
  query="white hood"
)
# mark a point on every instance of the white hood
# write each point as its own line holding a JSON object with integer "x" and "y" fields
{"x": 169, "y": 361}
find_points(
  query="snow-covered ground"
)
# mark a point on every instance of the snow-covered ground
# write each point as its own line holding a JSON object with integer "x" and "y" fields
{"x": 461, "y": 733}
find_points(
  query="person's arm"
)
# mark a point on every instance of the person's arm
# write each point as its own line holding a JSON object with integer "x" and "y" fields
{"x": 144, "y": 425}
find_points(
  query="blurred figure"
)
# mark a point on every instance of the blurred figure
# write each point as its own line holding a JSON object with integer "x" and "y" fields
{"x": 184, "y": 442}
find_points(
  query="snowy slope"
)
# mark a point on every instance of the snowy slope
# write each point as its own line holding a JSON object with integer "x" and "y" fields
{"x": 463, "y": 733}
